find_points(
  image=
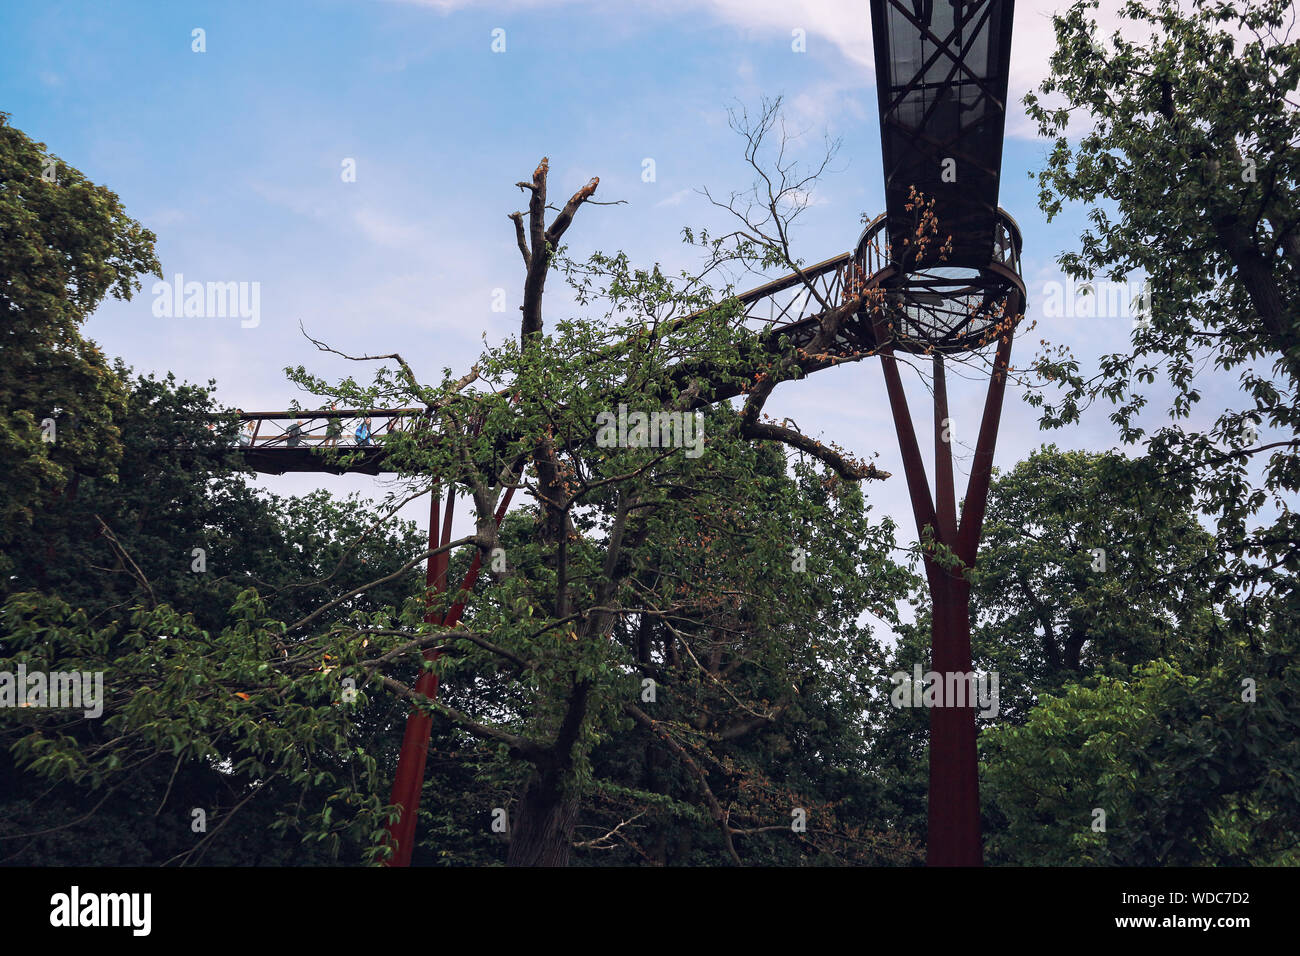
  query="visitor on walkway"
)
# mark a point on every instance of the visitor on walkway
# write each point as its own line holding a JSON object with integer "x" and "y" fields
{"x": 333, "y": 429}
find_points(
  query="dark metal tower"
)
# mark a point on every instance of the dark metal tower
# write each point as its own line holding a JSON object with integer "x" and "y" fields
{"x": 941, "y": 78}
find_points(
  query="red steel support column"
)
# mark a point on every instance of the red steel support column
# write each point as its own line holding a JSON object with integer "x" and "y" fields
{"x": 409, "y": 778}
{"x": 977, "y": 491}
{"x": 953, "y": 813}
{"x": 408, "y": 781}
{"x": 953, "y": 819}
{"x": 954, "y": 807}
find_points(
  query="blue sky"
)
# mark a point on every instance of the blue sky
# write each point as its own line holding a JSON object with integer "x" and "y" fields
{"x": 233, "y": 157}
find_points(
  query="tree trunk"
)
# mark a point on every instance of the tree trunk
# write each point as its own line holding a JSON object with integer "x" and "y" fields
{"x": 542, "y": 831}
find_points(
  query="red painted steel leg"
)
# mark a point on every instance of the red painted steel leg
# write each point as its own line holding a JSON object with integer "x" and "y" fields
{"x": 953, "y": 813}
{"x": 954, "y": 810}
{"x": 977, "y": 490}
{"x": 408, "y": 781}
{"x": 954, "y": 806}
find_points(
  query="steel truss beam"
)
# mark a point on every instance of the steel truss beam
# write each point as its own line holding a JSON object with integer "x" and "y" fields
{"x": 941, "y": 81}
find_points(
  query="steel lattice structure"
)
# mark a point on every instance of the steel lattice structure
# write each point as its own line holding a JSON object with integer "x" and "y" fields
{"x": 941, "y": 81}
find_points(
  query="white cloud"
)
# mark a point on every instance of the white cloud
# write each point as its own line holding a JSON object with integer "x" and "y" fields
{"x": 162, "y": 218}
{"x": 378, "y": 224}
{"x": 385, "y": 229}
{"x": 298, "y": 201}
{"x": 675, "y": 199}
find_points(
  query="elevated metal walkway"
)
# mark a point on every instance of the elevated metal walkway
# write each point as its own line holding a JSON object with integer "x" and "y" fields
{"x": 934, "y": 308}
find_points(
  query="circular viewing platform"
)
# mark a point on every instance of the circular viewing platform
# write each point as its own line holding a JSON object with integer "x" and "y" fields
{"x": 935, "y": 307}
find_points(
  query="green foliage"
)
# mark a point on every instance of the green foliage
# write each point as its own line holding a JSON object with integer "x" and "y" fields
{"x": 91, "y": 578}
{"x": 67, "y": 243}
{"x": 177, "y": 693}
{"x": 1189, "y": 170}
{"x": 1190, "y": 174}
{"x": 676, "y": 565}
{"x": 1088, "y": 560}
{"x": 1187, "y": 772}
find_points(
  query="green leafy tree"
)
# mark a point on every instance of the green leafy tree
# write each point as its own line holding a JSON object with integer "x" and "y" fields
{"x": 1080, "y": 567}
{"x": 114, "y": 549}
{"x": 1188, "y": 770}
{"x": 65, "y": 243}
{"x": 1082, "y": 571}
{"x": 1190, "y": 173}
{"x": 766, "y": 699}
{"x": 1189, "y": 168}
{"x": 608, "y": 514}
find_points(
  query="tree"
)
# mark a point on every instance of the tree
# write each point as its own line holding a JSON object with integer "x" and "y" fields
{"x": 1082, "y": 573}
{"x": 110, "y": 486}
{"x": 66, "y": 244}
{"x": 1184, "y": 770}
{"x": 114, "y": 550}
{"x": 755, "y": 705}
{"x": 1080, "y": 567}
{"x": 755, "y": 702}
{"x": 553, "y": 623}
{"x": 1190, "y": 169}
